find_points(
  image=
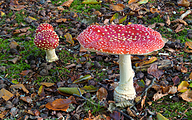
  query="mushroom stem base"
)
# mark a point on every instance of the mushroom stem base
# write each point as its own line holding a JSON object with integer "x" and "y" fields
{"x": 124, "y": 94}
{"x": 51, "y": 55}
{"x": 125, "y": 90}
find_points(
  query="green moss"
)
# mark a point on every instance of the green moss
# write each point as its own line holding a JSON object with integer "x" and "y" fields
{"x": 172, "y": 109}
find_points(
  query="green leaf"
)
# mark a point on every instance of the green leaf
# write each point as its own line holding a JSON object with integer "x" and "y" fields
{"x": 83, "y": 79}
{"x": 91, "y": 2}
{"x": 71, "y": 90}
{"x": 141, "y": 83}
{"x": 115, "y": 16}
{"x": 122, "y": 19}
{"x": 190, "y": 85}
{"x": 161, "y": 117}
{"x": 89, "y": 88}
{"x": 143, "y": 1}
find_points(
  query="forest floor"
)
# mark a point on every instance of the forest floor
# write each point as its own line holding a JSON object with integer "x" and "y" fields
{"x": 29, "y": 85}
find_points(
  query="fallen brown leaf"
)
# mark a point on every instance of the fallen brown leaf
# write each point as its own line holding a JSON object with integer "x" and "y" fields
{"x": 67, "y": 3}
{"x": 154, "y": 10}
{"x": 25, "y": 72}
{"x": 176, "y": 80}
{"x": 132, "y": 1}
{"x": 61, "y": 20}
{"x": 13, "y": 45}
{"x": 5, "y": 94}
{"x": 187, "y": 96}
{"x": 26, "y": 99}
{"x": 41, "y": 91}
{"x": 14, "y": 60}
{"x": 118, "y": 7}
{"x": 47, "y": 84}
{"x": 184, "y": 3}
{"x": 19, "y": 86}
{"x": 61, "y": 104}
{"x": 102, "y": 93}
{"x": 153, "y": 70}
{"x": 159, "y": 95}
{"x": 179, "y": 21}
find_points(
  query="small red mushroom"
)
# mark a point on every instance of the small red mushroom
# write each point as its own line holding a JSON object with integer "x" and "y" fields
{"x": 123, "y": 40}
{"x": 44, "y": 26}
{"x": 47, "y": 40}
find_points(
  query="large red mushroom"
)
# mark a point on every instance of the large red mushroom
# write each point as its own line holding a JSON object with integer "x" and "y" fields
{"x": 123, "y": 40}
{"x": 47, "y": 40}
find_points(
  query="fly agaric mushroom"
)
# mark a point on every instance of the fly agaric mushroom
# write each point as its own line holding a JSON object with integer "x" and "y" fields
{"x": 122, "y": 40}
{"x": 44, "y": 26}
{"x": 47, "y": 40}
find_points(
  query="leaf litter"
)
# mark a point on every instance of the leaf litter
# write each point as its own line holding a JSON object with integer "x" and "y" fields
{"x": 62, "y": 92}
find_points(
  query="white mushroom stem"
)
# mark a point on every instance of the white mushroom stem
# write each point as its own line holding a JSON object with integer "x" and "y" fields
{"x": 125, "y": 90}
{"x": 51, "y": 55}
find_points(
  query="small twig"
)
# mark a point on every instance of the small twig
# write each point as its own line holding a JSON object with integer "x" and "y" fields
{"x": 81, "y": 96}
{"x": 124, "y": 114}
{"x": 144, "y": 93}
{"x": 116, "y": 109}
{"x": 5, "y": 79}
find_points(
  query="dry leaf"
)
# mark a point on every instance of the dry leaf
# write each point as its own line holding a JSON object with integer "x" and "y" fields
{"x": 159, "y": 95}
{"x": 13, "y": 45}
{"x": 190, "y": 76}
{"x": 154, "y": 10}
{"x": 22, "y": 30}
{"x": 61, "y": 104}
{"x": 154, "y": 71}
{"x": 69, "y": 38}
{"x": 172, "y": 90}
{"x": 176, "y": 80}
{"x": 132, "y": 1}
{"x": 184, "y": 3}
{"x": 27, "y": 99}
{"x": 102, "y": 93}
{"x": 134, "y": 7}
{"x": 82, "y": 49}
{"x": 97, "y": 13}
{"x": 179, "y": 28}
{"x": 179, "y": 21}
{"x": 41, "y": 91}
{"x": 67, "y": 3}
{"x": 183, "y": 86}
{"x": 143, "y": 102}
{"x": 60, "y": 8}
{"x": 61, "y": 20}
{"x": 118, "y": 7}
{"x": 47, "y": 84}
{"x": 184, "y": 69}
{"x": 188, "y": 44}
{"x": 187, "y": 96}
{"x": 151, "y": 60}
{"x": 5, "y": 94}
{"x": 14, "y": 60}
{"x": 25, "y": 72}
{"x": 19, "y": 86}
{"x": 130, "y": 112}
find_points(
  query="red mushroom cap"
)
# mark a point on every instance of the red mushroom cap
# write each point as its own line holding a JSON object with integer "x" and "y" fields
{"x": 121, "y": 39}
{"x": 44, "y": 26}
{"x": 46, "y": 40}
